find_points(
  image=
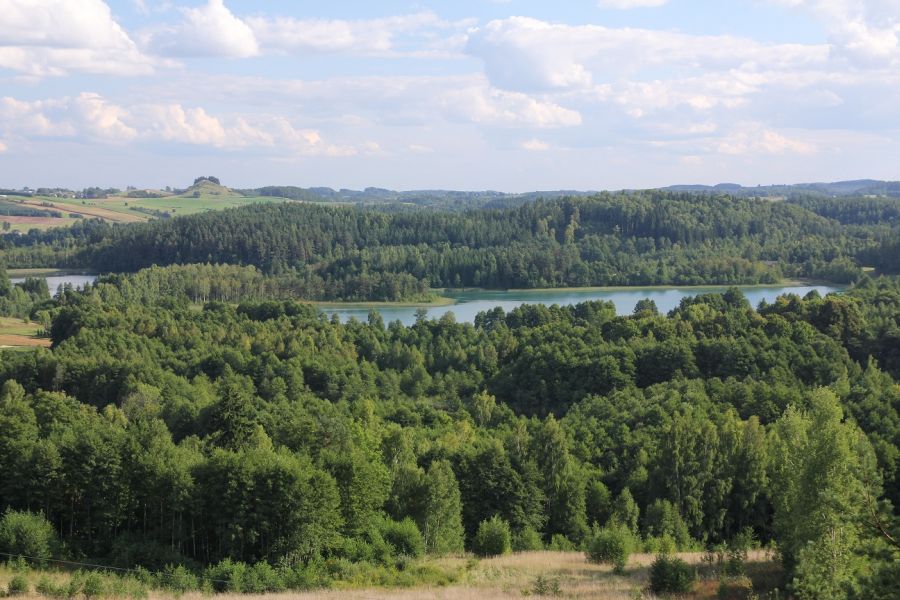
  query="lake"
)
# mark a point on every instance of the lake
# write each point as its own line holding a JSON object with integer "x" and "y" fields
{"x": 55, "y": 282}
{"x": 470, "y": 303}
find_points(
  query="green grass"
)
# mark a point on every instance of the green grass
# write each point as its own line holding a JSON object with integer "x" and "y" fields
{"x": 173, "y": 205}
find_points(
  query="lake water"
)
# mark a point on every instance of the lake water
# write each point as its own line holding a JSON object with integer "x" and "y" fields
{"x": 55, "y": 282}
{"x": 470, "y": 303}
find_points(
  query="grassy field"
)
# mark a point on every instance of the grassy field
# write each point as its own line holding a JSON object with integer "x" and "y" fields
{"x": 528, "y": 574}
{"x": 18, "y": 334}
{"x": 119, "y": 209}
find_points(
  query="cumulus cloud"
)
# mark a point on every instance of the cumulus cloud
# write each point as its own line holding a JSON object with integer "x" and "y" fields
{"x": 526, "y": 54}
{"x": 863, "y": 31}
{"x": 90, "y": 117}
{"x": 209, "y": 30}
{"x": 57, "y": 37}
{"x": 489, "y": 106}
{"x": 627, "y": 4}
{"x": 285, "y": 34}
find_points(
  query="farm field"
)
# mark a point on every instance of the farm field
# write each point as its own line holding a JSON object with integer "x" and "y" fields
{"x": 15, "y": 333}
{"x": 121, "y": 209}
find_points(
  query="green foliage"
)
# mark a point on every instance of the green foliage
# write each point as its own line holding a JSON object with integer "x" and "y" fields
{"x": 492, "y": 538}
{"x": 18, "y": 585}
{"x": 527, "y": 540}
{"x": 545, "y": 586}
{"x": 671, "y": 575}
{"x": 27, "y": 534}
{"x": 404, "y": 536}
{"x": 306, "y": 452}
{"x": 611, "y": 545}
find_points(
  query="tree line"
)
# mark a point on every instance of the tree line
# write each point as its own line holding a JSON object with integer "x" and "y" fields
{"x": 637, "y": 238}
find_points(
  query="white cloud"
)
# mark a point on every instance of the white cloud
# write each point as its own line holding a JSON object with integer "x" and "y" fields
{"x": 535, "y": 145}
{"x": 628, "y": 4}
{"x": 757, "y": 138}
{"x": 209, "y": 30}
{"x": 90, "y": 117}
{"x": 3, "y": 147}
{"x": 522, "y": 53}
{"x": 863, "y": 31}
{"x": 489, "y": 106}
{"x": 370, "y": 36}
{"x": 56, "y": 37}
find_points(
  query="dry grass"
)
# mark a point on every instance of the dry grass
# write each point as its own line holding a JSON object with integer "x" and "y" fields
{"x": 509, "y": 577}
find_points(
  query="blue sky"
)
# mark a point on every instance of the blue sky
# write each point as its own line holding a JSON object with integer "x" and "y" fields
{"x": 474, "y": 94}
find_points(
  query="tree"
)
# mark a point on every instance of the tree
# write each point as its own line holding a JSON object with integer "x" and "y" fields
{"x": 442, "y": 525}
{"x": 822, "y": 471}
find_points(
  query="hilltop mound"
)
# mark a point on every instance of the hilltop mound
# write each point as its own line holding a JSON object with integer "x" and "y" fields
{"x": 205, "y": 187}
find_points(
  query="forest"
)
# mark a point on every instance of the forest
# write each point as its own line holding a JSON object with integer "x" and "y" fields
{"x": 326, "y": 252}
{"x": 195, "y": 421}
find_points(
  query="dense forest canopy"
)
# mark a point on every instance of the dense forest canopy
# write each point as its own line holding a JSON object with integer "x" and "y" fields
{"x": 156, "y": 433}
{"x": 640, "y": 238}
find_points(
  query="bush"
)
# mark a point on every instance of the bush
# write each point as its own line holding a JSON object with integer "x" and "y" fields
{"x": 45, "y": 587}
{"x": 612, "y": 546}
{"x": 560, "y": 543}
{"x": 261, "y": 578}
{"x": 527, "y": 540}
{"x": 226, "y": 575}
{"x": 664, "y": 544}
{"x": 93, "y": 586}
{"x": 404, "y": 536}
{"x": 18, "y": 586}
{"x": 493, "y": 538}
{"x": 24, "y": 533}
{"x": 670, "y": 575}
{"x": 179, "y": 580}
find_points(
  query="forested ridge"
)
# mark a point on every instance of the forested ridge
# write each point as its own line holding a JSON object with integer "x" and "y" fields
{"x": 637, "y": 238}
{"x": 155, "y": 434}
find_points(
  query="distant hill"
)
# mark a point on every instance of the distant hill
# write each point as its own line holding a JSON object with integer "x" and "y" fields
{"x": 494, "y": 199}
{"x": 204, "y": 188}
{"x": 856, "y": 187}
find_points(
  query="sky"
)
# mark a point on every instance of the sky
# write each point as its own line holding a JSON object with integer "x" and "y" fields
{"x": 508, "y": 95}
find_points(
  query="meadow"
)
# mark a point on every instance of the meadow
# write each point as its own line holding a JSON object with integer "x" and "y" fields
{"x": 543, "y": 574}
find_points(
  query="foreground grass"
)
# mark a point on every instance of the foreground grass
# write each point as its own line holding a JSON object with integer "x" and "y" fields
{"x": 527, "y": 574}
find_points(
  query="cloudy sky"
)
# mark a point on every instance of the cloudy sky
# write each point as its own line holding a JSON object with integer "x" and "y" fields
{"x": 510, "y": 95}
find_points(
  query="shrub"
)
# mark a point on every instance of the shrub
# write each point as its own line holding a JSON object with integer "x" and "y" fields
{"x": 93, "y": 586}
{"x": 404, "y": 536}
{"x": 24, "y": 533}
{"x": 493, "y": 538}
{"x": 670, "y": 575}
{"x": 544, "y": 586}
{"x": 226, "y": 575}
{"x": 527, "y": 540}
{"x": 261, "y": 578}
{"x": 46, "y": 587}
{"x": 612, "y": 546}
{"x": 560, "y": 543}
{"x": 664, "y": 544}
{"x": 179, "y": 579}
{"x": 18, "y": 586}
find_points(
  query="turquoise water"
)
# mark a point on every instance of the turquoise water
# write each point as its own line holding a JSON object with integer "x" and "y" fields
{"x": 470, "y": 303}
